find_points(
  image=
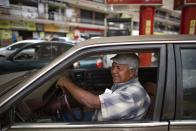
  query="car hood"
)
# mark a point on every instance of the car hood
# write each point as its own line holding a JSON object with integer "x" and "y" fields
{"x": 9, "y": 81}
{"x": 2, "y": 49}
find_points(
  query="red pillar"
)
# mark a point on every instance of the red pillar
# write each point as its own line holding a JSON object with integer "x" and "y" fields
{"x": 146, "y": 27}
{"x": 188, "y": 20}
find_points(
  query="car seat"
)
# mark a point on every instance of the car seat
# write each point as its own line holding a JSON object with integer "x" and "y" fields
{"x": 150, "y": 88}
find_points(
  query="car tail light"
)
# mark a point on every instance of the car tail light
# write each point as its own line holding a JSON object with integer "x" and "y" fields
{"x": 99, "y": 63}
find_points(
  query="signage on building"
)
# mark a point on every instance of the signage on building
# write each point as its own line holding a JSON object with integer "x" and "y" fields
{"x": 192, "y": 27}
{"x": 178, "y": 4}
{"x": 31, "y": 26}
{"x": 55, "y": 28}
{"x": 134, "y": 1}
{"x": 17, "y": 25}
{"x": 6, "y": 34}
{"x": 51, "y": 28}
{"x": 5, "y": 24}
{"x": 5, "y": 37}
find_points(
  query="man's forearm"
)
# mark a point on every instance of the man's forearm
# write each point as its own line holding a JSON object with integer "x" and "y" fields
{"x": 84, "y": 97}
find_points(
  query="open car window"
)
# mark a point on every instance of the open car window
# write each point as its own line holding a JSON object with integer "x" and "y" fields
{"x": 104, "y": 61}
{"x": 46, "y": 103}
{"x": 26, "y": 54}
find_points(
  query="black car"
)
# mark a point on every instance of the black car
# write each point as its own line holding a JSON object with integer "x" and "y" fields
{"x": 33, "y": 56}
{"x": 31, "y": 101}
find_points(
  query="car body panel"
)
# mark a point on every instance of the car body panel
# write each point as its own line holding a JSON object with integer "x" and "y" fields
{"x": 151, "y": 126}
{"x": 179, "y": 125}
{"x": 167, "y": 111}
{"x": 108, "y": 41}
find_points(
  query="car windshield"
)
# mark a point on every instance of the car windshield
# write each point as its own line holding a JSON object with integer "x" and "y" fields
{"x": 9, "y": 81}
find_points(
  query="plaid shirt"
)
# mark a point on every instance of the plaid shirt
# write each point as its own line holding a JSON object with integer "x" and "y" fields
{"x": 125, "y": 101}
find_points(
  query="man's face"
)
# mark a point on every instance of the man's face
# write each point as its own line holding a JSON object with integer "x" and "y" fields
{"x": 121, "y": 73}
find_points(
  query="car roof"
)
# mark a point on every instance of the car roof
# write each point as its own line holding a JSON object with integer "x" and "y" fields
{"x": 138, "y": 39}
{"x": 46, "y": 42}
{"x": 55, "y": 42}
{"x": 61, "y": 37}
{"x": 27, "y": 41}
{"x": 141, "y": 39}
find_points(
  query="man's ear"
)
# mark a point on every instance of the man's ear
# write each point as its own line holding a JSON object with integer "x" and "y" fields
{"x": 132, "y": 73}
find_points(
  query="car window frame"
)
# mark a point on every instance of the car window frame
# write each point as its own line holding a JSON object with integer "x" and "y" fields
{"x": 178, "y": 123}
{"x": 85, "y": 51}
{"x": 168, "y": 111}
{"x": 18, "y": 45}
{"x": 179, "y": 79}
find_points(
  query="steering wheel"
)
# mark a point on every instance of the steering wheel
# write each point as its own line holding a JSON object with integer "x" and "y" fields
{"x": 57, "y": 102}
{"x": 70, "y": 110}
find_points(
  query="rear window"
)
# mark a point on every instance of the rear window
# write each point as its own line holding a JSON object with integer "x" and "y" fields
{"x": 189, "y": 83}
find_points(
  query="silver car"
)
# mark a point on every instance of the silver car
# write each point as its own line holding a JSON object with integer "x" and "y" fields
{"x": 30, "y": 100}
{"x": 6, "y": 51}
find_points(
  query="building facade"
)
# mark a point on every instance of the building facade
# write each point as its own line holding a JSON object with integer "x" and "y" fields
{"x": 43, "y": 19}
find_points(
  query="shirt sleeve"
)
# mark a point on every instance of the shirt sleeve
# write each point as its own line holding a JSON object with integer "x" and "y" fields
{"x": 115, "y": 105}
{"x": 122, "y": 105}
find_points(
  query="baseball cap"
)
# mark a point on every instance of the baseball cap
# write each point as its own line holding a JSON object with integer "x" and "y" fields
{"x": 129, "y": 59}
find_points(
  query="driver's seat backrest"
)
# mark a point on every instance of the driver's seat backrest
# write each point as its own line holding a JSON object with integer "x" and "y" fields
{"x": 150, "y": 88}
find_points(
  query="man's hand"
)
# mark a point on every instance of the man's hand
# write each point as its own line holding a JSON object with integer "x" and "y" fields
{"x": 63, "y": 82}
{"x": 82, "y": 96}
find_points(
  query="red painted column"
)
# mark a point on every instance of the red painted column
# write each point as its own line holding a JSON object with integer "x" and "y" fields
{"x": 146, "y": 27}
{"x": 188, "y": 20}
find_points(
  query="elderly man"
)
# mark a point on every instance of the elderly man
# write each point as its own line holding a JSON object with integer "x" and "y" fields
{"x": 127, "y": 99}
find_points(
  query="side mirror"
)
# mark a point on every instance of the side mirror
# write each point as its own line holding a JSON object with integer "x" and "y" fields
{"x": 9, "y": 48}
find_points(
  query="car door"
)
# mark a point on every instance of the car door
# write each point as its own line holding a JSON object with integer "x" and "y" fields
{"x": 185, "y": 119}
{"x": 19, "y": 118}
{"x": 34, "y": 57}
{"x": 21, "y": 60}
{"x": 27, "y": 58}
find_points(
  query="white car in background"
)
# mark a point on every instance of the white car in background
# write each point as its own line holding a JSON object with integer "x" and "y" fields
{"x": 6, "y": 51}
{"x": 68, "y": 40}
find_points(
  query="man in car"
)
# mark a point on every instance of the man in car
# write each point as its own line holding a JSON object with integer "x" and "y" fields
{"x": 127, "y": 99}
